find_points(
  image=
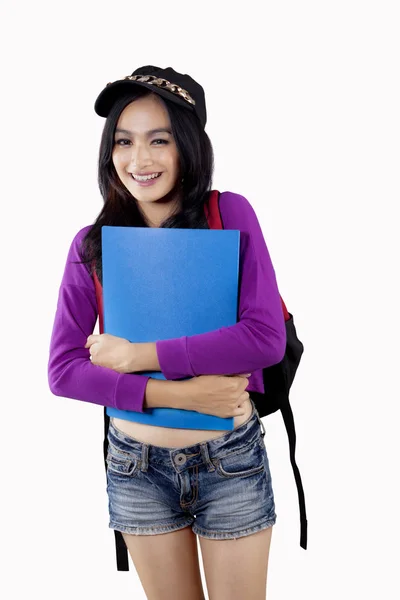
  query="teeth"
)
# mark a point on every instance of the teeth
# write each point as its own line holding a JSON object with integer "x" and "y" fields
{"x": 146, "y": 177}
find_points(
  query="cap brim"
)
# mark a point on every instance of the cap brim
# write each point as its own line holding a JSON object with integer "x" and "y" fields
{"x": 107, "y": 97}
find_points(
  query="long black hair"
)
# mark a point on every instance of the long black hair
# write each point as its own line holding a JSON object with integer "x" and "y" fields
{"x": 196, "y": 167}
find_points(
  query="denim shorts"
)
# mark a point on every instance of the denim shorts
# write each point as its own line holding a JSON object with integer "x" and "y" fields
{"x": 222, "y": 488}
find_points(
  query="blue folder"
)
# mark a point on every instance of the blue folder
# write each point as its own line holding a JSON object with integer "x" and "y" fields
{"x": 163, "y": 283}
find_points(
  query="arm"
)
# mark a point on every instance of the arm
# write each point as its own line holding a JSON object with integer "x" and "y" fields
{"x": 144, "y": 357}
{"x": 70, "y": 372}
{"x": 163, "y": 393}
{"x": 258, "y": 340}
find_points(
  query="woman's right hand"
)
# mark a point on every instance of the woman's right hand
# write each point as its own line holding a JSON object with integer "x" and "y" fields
{"x": 219, "y": 395}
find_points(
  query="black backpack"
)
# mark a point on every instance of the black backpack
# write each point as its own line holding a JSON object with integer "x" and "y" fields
{"x": 277, "y": 381}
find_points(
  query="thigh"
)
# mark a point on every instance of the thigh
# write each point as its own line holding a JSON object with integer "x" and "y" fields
{"x": 142, "y": 502}
{"x": 236, "y": 569}
{"x": 235, "y": 499}
{"x": 167, "y": 564}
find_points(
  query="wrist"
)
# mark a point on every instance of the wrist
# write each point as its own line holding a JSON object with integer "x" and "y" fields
{"x": 166, "y": 394}
{"x": 145, "y": 356}
{"x": 132, "y": 358}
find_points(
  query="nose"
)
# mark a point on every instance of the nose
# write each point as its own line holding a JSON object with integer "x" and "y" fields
{"x": 140, "y": 157}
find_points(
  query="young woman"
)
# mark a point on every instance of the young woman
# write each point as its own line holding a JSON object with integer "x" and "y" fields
{"x": 166, "y": 486}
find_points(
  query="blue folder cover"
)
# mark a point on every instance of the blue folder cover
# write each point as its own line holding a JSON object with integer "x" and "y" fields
{"x": 163, "y": 283}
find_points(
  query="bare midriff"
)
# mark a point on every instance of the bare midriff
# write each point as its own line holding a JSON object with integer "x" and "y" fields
{"x": 169, "y": 437}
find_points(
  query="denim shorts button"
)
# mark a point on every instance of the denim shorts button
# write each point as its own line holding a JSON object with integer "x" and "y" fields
{"x": 180, "y": 458}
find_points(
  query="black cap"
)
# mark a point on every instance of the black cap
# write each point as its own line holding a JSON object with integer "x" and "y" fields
{"x": 168, "y": 83}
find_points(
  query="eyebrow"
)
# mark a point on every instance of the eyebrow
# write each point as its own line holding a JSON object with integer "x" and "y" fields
{"x": 148, "y": 133}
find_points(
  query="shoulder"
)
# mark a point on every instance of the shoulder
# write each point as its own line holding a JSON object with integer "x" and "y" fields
{"x": 237, "y": 212}
{"x": 77, "y": 240}
{"x": 80, "y": 235}
{"x": 77, "y": 273}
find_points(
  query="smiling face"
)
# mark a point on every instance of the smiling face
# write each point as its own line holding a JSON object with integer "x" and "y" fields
{"x": 144, "y": 145}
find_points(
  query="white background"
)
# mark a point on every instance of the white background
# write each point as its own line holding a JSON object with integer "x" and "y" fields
{"x": 303, "y": 113}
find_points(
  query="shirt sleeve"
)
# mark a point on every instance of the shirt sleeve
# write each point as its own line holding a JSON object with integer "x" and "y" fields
{"x": 70, "y": 371}
{"x": 258, "y": 339}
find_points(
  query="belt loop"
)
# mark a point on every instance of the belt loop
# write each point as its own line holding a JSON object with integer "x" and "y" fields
{"x": 206, "y": 456}
{"x": 145, "y": 456}
{"x": 259, "y": 419}
{"x": 262, "y": 427}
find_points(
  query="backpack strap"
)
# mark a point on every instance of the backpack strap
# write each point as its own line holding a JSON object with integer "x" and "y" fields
{"x": 291, "y": 360}
{"x": 277, "y": 380}
{"x": 212, "y": 212}
{"x": 289, "y": 425}
{"x": 121, "y": 550}
{"x": 99, "y": 297}
{"x": 286, "y": 313}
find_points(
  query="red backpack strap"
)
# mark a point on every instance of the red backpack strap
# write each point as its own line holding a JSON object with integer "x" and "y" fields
{"x": 285, "y": 310}
{"x": 211, "y": 209}
{"x": 99, "y": 297}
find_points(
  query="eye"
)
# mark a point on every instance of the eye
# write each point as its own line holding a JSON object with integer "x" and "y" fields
{"x": 120, "y": 142}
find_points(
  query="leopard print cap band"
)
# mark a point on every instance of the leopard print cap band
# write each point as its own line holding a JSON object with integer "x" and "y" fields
{"x": 161, "y": 83}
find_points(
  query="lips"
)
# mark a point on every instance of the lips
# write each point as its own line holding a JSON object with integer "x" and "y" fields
{"x": 147, "y": 182}
{"x": 138, "y": 177}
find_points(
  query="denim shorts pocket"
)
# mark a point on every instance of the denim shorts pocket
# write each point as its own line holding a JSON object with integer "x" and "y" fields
{"x": 242, "y": 463}
{"x": 121, "y": 462}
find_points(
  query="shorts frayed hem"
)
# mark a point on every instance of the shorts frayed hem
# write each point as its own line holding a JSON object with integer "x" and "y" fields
{"x": 150, "y": 530}
{"x": 227, "y": 535}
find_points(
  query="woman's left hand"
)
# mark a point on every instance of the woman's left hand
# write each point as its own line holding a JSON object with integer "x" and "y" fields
{"x": 112, "y": 352}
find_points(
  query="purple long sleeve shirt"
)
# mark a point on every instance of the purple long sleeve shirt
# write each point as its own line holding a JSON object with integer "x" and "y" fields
{"x": 256, "y": 341}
